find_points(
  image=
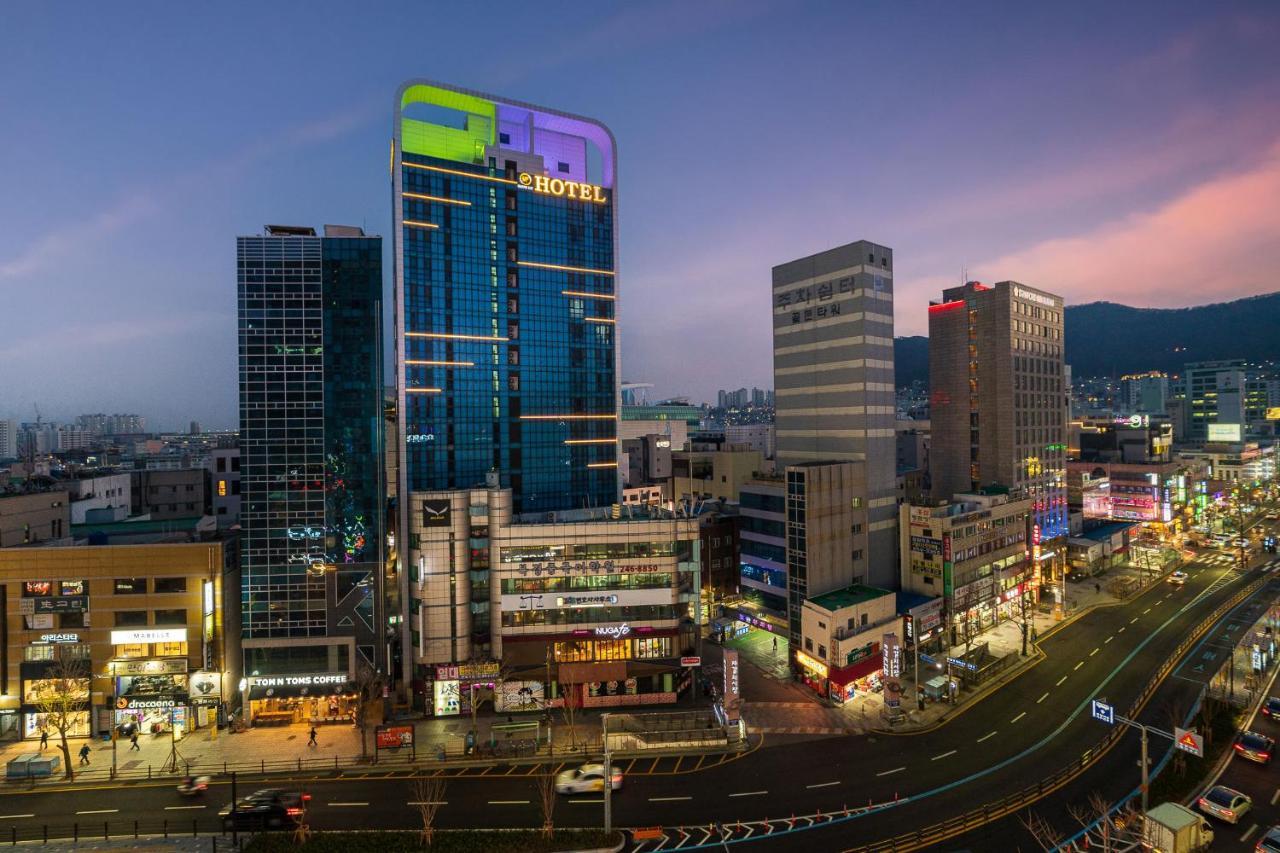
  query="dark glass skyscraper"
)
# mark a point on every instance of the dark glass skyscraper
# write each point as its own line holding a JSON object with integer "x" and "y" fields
{"x": 506, "y": 288}
{"x": 311, "y": 437}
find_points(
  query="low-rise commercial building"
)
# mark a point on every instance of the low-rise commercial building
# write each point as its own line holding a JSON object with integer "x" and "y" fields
{"x": 547, "y": 608}
{"x": 978, "y": 552}
{"x": 139, "y": 626}
{"x": 842, "y": 633}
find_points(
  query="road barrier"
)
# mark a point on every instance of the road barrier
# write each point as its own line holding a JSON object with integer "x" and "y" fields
{"x": 717, "y": 835}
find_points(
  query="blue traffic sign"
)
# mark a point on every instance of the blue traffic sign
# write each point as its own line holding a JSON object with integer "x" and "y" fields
{"x": 1104, "y": 712}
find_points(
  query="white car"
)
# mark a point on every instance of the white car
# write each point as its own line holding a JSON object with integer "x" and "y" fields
{"x": 584, "y": 779}
{"x": 1177, "y": 578}
{"x": 1225, "y": 803}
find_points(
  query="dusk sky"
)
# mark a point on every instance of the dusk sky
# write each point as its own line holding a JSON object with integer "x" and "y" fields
{"x": 1119, "y": 151}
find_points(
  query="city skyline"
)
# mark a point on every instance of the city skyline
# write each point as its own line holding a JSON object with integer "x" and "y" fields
{"x": 1119, "y": 167}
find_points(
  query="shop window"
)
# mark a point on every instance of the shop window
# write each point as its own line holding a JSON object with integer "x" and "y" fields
{"x": 171, "y": 585}
{"x": 131, "y": 650}
{"x": 171, "y": 650}
{"x": 130, "y": 586}
{"x": 177, "y": 616}
{"x": 131, "y": 618}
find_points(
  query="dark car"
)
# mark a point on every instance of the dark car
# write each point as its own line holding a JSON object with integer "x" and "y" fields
{"x": 1271, "y": 708}
{"x": 270, "y": 808}
{"x": 1255, "y": 747}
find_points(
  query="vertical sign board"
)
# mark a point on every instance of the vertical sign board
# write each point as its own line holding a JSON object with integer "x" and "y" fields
{"x": 891, "y": 670}
{"x": 732, "y": 697}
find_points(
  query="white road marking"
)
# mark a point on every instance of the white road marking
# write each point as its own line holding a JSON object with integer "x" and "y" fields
{"x": 99, "y": 811}
{"x": 596, "y": 800}
{"x": 1122, "y": 629}
{"x": 1077, "y": 666}
{"x": 1134, "y": 619}
{"x": 14, "y": 816}
{"x": 1274, "y": 797}
{"x": 1045, "y": 696}
{"x": 1250, "y": 831}
{"x": 987, "y": 735}
{"x": 1019, "y": 717}
{"x": 944, "y": 755}
{"x": 1109, "y": 639}
{"x": 427, "y": 803}
{"x": 508, "y": 802}
{"x": 1095, "y": 651}
{"x": 824, "y": 784}
{"x": 1145, "y": 612}
{"x": 348, "y": 804}
{"x": 749, "y": 794}
{"x": 1062, "y": 679}
{"x": 668, "y": 799}
{"x": 890, "y": 772}
{"x": 181, "y": 808}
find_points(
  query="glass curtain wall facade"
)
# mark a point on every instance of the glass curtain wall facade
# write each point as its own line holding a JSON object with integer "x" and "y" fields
{"x": 505, "y": 247}
{"x": 310, "y": 347}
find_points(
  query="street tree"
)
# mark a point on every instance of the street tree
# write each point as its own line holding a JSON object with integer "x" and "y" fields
{"x": 62, "y": 698}
{"x": 368, "y": 683}
{"x": 546, "y": 784}
{"x": 428, "y": 796}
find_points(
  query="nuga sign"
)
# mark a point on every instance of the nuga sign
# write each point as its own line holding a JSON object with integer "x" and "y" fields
{"x": 562, "y": 188}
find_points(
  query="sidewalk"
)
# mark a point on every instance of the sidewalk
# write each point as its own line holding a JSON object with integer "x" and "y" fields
{"x": 337, "y": 747}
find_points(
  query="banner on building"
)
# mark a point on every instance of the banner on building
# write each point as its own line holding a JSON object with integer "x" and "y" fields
{"x": 732, "y": 694}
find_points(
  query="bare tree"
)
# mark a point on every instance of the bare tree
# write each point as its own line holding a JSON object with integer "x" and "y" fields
{"x": 569, "y": 711}
{"x": 369, "y": 683}
{"x": 428, "y": 794}
{"x": 1177, "y": 712}
{"x": 1094, "y": 817}
{"x": 301, "y": 829}
{"x": 62, "y": 698}
{"x": 1041, "y": 830}
{"x": 546, "y": 783}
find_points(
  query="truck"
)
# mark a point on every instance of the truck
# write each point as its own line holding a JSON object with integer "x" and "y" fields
{"x": 1173, "y": 828}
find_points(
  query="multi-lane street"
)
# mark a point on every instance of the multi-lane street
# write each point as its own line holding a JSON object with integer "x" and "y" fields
{"x": 1015, "y": 736}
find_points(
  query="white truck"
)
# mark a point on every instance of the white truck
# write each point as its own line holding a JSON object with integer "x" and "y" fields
{"x": 1171, "y": 828}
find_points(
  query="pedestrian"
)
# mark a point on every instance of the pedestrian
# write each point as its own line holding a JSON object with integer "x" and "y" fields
{"x": 1097, "y": 587}
{"x": 44, "y": 739}
{"x": 133, "y": 741}
{"x": 84, "y": 754}
{"x": 775, "y": 645}
{"x": 312, "y": 741}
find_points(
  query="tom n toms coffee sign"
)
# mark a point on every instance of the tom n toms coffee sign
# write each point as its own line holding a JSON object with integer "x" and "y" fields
{"x": 300, "y": 680}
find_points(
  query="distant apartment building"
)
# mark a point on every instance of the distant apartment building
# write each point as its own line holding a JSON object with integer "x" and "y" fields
{"x": 833, "y": 379}
{"x": 166, "y": 494}
{"x": 759, "y": 437}
{"x": 117, "y": 424}
{"x": 8, "y": 439}
{"x": 1145, "y": 393}
{"x": 224, "y": 485}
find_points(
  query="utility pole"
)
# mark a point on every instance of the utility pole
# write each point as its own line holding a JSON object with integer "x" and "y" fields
{"x": 608, "y": 776}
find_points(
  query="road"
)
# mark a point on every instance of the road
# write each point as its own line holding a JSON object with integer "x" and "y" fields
{"x": 1012, "y": 738}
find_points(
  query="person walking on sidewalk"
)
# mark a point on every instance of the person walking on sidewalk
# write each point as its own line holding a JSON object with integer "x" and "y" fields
{"x": 44, "y": 739}
{"x": 84, "y": 754}
{"x": 133, "y": 741}
{"x": 312, "y": 740}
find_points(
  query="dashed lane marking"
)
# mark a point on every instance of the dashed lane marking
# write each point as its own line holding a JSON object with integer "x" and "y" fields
{"x": 508, "y": 802}
{"x": 1095, "y": 651}
{"x": 987, "y": 735}
{"x": 181, "y": 808}
{"x": 1044, "y": 697}
{"x": 1019, "y": 717}
{"x": 348, "y": 805}
{"x": 1109, "y": 639}
{"x": 14, "y": 816}
{"x": 668, "y": 799}
{"x": 427, "y": 803}
{"x": 891, "y": 772}
{"x": 749, "y": 794}
{"x": 1250, "y": 831}
{"x": 944, "y": 755}
{"x": 824, "y": 784}
{"x": 99, "y": 811}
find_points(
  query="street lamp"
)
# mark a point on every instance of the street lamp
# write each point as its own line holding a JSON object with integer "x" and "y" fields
{"x": 608, "y": 775}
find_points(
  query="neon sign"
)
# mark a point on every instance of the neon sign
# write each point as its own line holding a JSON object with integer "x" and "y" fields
{"x": 614, "y": 631}
{"x": 562, "y": 188}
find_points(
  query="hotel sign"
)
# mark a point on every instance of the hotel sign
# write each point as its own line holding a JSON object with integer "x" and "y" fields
{"x": 562, "y": 189}
{"x": 1038, "y": 298}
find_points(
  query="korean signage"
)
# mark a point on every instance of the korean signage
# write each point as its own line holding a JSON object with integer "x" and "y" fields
{"x": 926, "y": 545}
{"x": 1224, "y": 432}
{"x": 927, "y": 616}
{"x": 595, "y": 567}
{"x": 435, "y": 513}
{"x": 920, "y": 515}
{"x": 205, "y": 687}
{"x": 891, "y": 669}
{"x": 732, "y": 694}
{"x": 59, "y": 638}
{"x": 1135, "y": 421}
{"x": 447, "y": 698}
{"x": 1103, "y": 712}
{"x": 1038, "y": 298}
{"x": 562, "y": 189}
{"x": 576, "y": 601}
{"x": 467, "y": 671}
{"x": 157, "y": 666}
{"x": 148, "y": 635}
{"x": 755, "y": 621}
{"x": 393, "y": 737}
{"x": 63, "y": 604}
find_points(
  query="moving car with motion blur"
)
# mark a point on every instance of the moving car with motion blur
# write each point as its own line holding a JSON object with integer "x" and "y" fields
{"x": 588, "y": 777}
{"x": 270, "y": 808}
{"x": 1255, "y": 747}
{"x": 1177, "y": 578}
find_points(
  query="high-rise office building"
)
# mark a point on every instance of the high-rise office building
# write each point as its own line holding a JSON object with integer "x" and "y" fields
{"x": 1144, "y": 393}
{"x": 8, "y": 438}
{"x": 311, "y": 435}
{"x": 997, "y": 397}
{"x": 833, "y": 380}
{"x": 506, "y": 286}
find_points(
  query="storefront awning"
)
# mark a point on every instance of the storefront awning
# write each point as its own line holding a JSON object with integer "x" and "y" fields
{"x": 854, "y": 671}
